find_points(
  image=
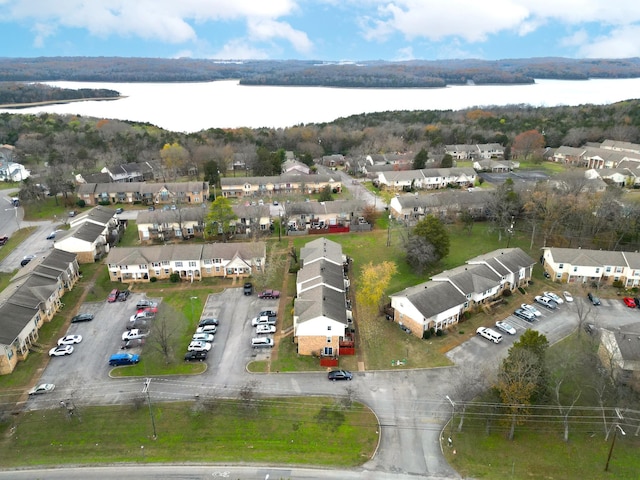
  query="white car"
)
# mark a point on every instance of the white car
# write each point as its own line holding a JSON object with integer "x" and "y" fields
{"x": 531, "y": 309}
{"x": 265, "y": 329}
{"x": 204, "y": 337}
{"x": 554, "y": 297}
{"x": 207, "y": 329}
{"x": 61, "y": 350}
{"x": 567, "y": 297}
{"x": 134, "y": 334}
{"x": 42, "y": 388}
{"x": 70, "y": 339}
{"x": 199, "y": 346}
{"x": 505, "y": 327}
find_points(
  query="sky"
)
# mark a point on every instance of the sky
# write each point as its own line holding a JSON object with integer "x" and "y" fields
{"x": 327, "y": 30}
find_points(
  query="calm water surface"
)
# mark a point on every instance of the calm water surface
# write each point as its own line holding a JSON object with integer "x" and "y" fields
{"x": 190, "y": 107}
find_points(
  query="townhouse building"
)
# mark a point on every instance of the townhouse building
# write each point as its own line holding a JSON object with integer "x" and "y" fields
{"x": 144, "y": 193}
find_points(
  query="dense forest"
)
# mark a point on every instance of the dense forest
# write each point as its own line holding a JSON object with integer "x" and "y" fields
{"x": 14, "y": 93}
{"x": 380, "y": 74}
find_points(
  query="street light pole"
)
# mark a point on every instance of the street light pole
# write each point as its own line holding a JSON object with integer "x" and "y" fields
{"x": 147, "y": 383}
{"x": 453, "y": 413}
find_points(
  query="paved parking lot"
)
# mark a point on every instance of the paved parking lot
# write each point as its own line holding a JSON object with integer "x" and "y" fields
{"x": 84, "y": 375}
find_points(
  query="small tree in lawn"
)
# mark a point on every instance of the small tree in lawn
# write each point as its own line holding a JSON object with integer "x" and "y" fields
{"x": 372, "y": 283}
{"x": 218, "y": 221}
{"x": 432, "y": 230}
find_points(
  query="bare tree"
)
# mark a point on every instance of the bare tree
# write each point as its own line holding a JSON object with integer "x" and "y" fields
{"x": 161, "y": 338}
{"x": 565, "y": 410}
{"x": 467, "y": 383}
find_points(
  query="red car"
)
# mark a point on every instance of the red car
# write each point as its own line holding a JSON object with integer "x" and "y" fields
{"x": 148, "y": 310}
{"x": 113, "y": 296}
{"x": 629, "y": 302}
{"x": 269, "y": 294}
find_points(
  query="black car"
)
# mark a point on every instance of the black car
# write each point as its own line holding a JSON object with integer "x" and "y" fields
{"x": 268, "y": 313}
{"x": 339, "y": 375}
{"x": 593, "y": 299}
{"x": 136, "y": 342}
{"x": 123, "y": 295}
{"x": 26, "y": 260}
{"x": 208, "y": 321}
{"x": 144, "y": 303}
{"x": 195, "y": 356}
{"x": 82, "y": 317}
{"x": 119, "y": 210}
{"x": 248, "y": 288}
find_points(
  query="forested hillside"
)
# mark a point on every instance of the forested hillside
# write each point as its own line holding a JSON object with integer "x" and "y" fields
{"x": 417, "y": 73}
{"x": 13, "y": 93}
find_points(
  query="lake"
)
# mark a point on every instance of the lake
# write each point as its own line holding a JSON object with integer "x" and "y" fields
{"x": 191, "y": 107}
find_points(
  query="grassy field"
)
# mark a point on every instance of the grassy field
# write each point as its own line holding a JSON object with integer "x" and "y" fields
{"x": 309, "y": 430}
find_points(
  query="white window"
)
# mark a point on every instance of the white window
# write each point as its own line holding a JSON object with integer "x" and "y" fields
{"x": 328, "y": 351}
{"x": 178, "y": 264}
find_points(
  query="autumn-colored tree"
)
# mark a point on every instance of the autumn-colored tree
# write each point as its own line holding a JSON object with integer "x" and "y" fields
{"x": 370, "y": 214}
{"x": 373, "y": 281}
{"x": 527, "y": 144}
{"x": 174, "y": 158}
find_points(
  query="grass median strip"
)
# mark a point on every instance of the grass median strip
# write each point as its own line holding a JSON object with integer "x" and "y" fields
{"x": 310, "y": 430}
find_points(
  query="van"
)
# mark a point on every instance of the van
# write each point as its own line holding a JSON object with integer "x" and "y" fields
{"x": 262, "y": 342}
{"x": 123, "y": 359}
{"x": 489, "y": 334}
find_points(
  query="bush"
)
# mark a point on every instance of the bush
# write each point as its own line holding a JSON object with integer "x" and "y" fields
{"x": 439, "y": 332}
{"x": 426, "y": 335}
{"x": 153, "y": 279}
{"x": 522, "y": 290}
{"x": 81, "y": 203}
{"x": 618, "y": 284}
{"x": 174, "y": 277}
{"x": 507, "y": 293}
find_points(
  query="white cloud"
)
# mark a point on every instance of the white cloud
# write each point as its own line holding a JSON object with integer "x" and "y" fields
{"x": 239, "y": 49}
{"x": 619, "y": 43}
{"x": 42, "y": 31}
{"x": 405, "y": 54}
{"x": 264, "y": 29}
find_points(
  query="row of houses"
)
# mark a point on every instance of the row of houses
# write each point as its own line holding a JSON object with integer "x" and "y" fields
{"x": 184, "y": 223}
{"x": 608, "y": 154}
{"x": 411, "y": 208}
{"x": 481, "y": 151}
{"x": 321, "y": 315}
{"x": 130, "y": 193}
{"x": 191, "y": 262}
{"x": 427, "y": 178}
{"x": 441, "y": 302}
{"x": 238, "y": 187}
{"x": 578, "y": 265}
{"x": 32, "y": 298}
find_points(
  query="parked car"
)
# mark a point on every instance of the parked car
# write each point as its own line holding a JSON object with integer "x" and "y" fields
{"x": 567, "y": 296}
{"x": 546, "y": 302}
{"x": 72, "y": 213}
{"x": 113, "y": 295}
{"x": 199, "y": 346}
{"x": 505, "y": 327}
{"x": 593, "y": 299}
{"x": 269, "y": 294}
{"x": 531, "y": 309}
{"x": 248, "y": 288}
{"x": 119, "y": 210}
{"x": 207, "y": 329}
{"x": 263, "y": 320}
{"x": 118, "y": 359}
{"x": 629, "y": 302}
{"x": 151, "y": 309}
{"x": 142, "y": 315}
{"x": 42, "y": 388}
{"x": 61, "y": 350}
{"x": 262, "y": 329}
{"x": 134, "y": 334}
{"x": 637, "y": 300}
{"x": 489, "y": 334}
{"x": 144, "y": 303}
{"x": 51, "y": 236}
{"x": 196, "y": 356}
{"x": 26, "y": 259}
{"x": 554, "y": 297}
{"x": 268, "y": 313}
{"x": 524, "y": 314}
{"x": 262, "y": 342}
{"x": 123, "y": 295}
{"x": 205, "y": 337}
{"x": 136, "y": 342}
{"x": 334, "y": 375}
{"x": 208, "y": 321}
{"x": 3, "y": 239}
{"x": 82, "y": 317}
{"x": 141, "y": 324}
{"x": 70, "y": 339}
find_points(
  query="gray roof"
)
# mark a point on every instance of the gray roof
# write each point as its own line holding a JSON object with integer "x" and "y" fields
{"x": 185, "y": 251}
{"x": 321, "y": 248}
{"x": 505, "y": 260}
{"x": 432, "y": 298}
{"x": 99, "y": 214}
{"x": 321, "y": 301}
{"x": 278, "y": 179}
{"x": 88, "y": 232}
{"x": 160, "y": 216}
{"x": 251, "y": 211}
{"x": 471, "y": 278}
{"x": 587, "y": 258}
{"x": 345, "y": 207}
{"x": 628, "y": 339}
{"x": 445, "y": 199}
{"x": 320, "y": 272}
{"x": 141, "y": 187}
{"x": 13, "y": 319}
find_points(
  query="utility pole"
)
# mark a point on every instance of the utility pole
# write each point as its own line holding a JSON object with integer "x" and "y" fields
{"x": 615, "y": 434}
{"x": 453, "y": 413}
{"x": 147, "y": 383}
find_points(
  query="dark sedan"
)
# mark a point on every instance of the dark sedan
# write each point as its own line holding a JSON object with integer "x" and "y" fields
{"x": 82, "y": 317}
{"x": 340, "y": 375}
{"x": 195, "y": 356}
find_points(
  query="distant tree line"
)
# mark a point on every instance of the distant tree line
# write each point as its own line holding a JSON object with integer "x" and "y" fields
{"x": 378, "y": 74}
{"x": 17, "y": 93}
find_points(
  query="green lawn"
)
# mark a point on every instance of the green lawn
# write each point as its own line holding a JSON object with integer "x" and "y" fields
{"x": 310, "y": 430}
